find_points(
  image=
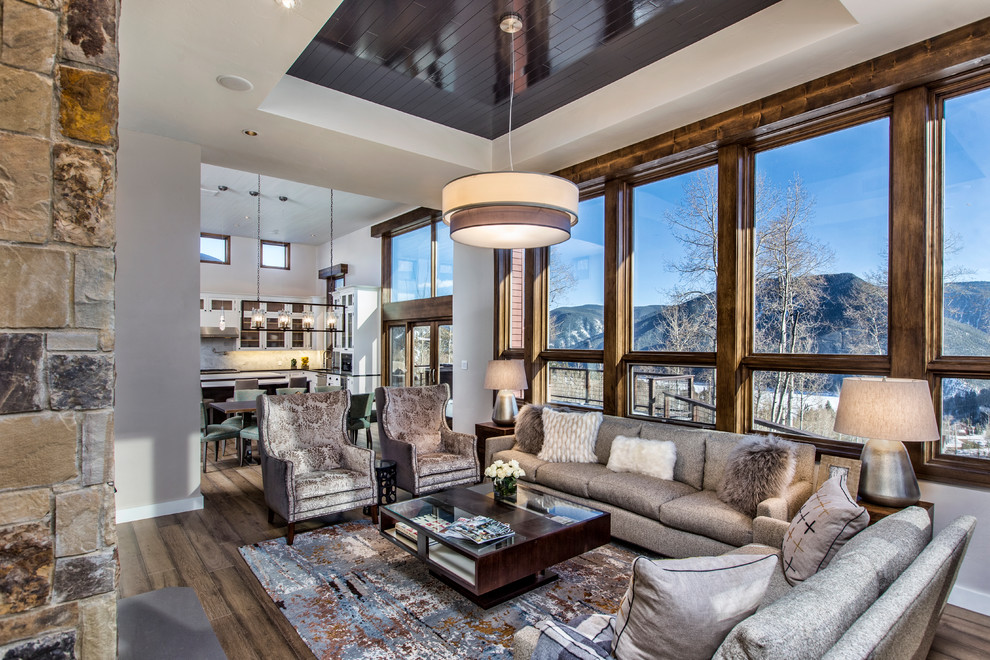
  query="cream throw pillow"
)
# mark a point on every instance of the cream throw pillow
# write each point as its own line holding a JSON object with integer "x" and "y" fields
{"x": 682, "y": 609}
{"x": 569, "y": 437}
{"x": 655, "y": 458}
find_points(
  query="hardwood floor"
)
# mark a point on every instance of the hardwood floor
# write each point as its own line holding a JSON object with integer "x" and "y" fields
{"x": 199, "y": 549}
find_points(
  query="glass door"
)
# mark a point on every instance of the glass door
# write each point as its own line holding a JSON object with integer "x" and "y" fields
{"x": 423, "y": 365}
{"x": 396, "y": 376}
{"x": 420, "y": 353}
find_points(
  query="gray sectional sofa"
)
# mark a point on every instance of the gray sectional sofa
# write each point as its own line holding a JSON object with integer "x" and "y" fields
{"x": 679, "y": 518}
{"x": 880, "y": 597}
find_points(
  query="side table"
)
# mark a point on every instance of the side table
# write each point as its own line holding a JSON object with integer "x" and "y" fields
{"x": 385, "y": 486}
{"x": 486, "y": 430}
{"x": 879, "y": 512}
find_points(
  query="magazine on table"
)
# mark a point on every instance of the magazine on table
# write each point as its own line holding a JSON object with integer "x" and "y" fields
{"x": 478, "y": 529}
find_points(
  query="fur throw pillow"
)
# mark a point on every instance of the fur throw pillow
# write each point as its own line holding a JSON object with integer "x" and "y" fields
{"x": 655, "y": 458}
{"x": 529, "y": 429}
{"x": 758, "y": 468}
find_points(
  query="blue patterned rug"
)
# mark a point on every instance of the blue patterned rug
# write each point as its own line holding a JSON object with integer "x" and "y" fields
{"x": 349, "y": 593}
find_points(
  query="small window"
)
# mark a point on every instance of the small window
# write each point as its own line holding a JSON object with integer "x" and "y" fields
{"x": 274, "y": 255}
{"x": 214, "y": 249}
{"x": 576, "y": 384}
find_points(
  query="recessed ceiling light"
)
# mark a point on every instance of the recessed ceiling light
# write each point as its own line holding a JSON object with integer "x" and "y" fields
{"x": 235, "y": 83}
{"x": 286, "y": 4}
{"x": 249, "y": 132}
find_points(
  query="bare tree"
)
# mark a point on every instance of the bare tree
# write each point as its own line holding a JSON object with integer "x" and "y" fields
{"x": 561, "y": 280}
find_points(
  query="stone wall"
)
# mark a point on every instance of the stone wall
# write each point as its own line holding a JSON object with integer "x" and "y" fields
{"x": 58, "y": 138}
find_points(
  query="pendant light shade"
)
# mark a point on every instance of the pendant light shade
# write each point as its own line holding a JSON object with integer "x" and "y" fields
{"x": 283, "y": 320}
{"x": 510, "y": 209}
{"x": 257, "y": 318}
{"x": 308, "y": 321}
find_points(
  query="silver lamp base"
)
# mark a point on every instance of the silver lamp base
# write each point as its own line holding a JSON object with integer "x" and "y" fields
{"x": 505, "y": 411}
{"x": 886, "y": 476}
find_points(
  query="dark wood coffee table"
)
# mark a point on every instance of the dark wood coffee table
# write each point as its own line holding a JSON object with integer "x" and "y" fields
{"x": 548, "y": 530}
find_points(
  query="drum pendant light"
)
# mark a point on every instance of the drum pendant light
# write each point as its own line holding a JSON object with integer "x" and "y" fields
{"x": 510, "y": 209}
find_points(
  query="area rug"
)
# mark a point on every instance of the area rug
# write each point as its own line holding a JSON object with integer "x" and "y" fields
{"x": 350, "y": 593}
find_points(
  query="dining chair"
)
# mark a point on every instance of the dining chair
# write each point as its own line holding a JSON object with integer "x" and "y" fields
{"x": 327, "y": 388}
{"x": 237, "y": 421}
{"x": 243, "y": 384}
{"x": 357, "y": 417}
{"x": 299, "y": 381}
{"x": 282, "y": 391}
{"x": 215, "y": 433}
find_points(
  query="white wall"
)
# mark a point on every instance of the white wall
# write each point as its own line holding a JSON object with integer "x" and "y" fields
{"x": 474, "y": 282}
{"x": 240, "y": 276}
{"x": 361, "y": 253}
{"x": 157, "y": 395}
{"x": 972, "y": 589}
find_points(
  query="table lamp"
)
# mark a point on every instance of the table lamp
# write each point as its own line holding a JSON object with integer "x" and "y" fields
{"x": 888, "y": 412}
{"x": 506, "y": 376}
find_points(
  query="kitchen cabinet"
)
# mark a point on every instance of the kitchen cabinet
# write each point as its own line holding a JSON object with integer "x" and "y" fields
{"x": 274, "y": 337}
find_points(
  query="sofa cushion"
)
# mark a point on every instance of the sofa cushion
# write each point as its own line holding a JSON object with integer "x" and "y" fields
{"x": 440, "y": 462}
{"x": 569, "y": 437}
{"x": 318, "y": 484}
{"x": 426, "y": 442}
{"x": 609, "y": 429}
{"x": 682, "y": 609}
{"x": 529, "y": 429}
{"x": 638, "y": 493}
{"x": 703, "y": 513}
{"x": 891, "y": 544}
{"x": 689, "y": 467}
{"x": 824, "y": 524}
{"x": 760, "y": 467}
{"x": 778, "y": 585}
{"x": 652, "y": 457}
{"x": 570, "y": 478}
{"x": 529, "y": 463}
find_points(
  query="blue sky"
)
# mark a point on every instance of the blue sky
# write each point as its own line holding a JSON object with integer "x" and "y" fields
{"x": 967, "y": 182}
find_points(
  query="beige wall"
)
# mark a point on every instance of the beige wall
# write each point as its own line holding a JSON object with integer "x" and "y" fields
{"x": 240, "y": 276}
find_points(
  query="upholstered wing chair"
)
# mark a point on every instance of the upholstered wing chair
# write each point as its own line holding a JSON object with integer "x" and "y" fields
{"x": 308, "y": 467}
{"x": 413, "y": 431}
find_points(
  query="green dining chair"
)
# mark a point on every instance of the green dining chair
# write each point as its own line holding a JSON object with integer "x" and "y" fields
{"x": 281, "y": 391}
{"x": 215, "y": 433}
{"x": 327, "y": 388}
{"x": 358, "y": 417}
{"x": 248, "y": 434}
{"x": 237, "y": 421}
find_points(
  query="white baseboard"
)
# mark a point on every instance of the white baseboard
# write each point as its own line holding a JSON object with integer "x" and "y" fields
{"x": 160, "y": 509}
{"x": 970, "y": 599}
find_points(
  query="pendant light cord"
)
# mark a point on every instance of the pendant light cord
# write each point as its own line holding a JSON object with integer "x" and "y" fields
{"x": 512, "y": 90}
{"x": 331, "y": 227}
{"x": 258, "y": 290}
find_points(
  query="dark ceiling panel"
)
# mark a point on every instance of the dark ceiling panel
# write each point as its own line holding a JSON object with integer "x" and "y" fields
{"x": 447, "y": 61}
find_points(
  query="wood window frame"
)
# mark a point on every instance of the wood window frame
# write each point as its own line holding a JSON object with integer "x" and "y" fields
{"x": 288, "y": 254}
{"x": 226, "y": 243}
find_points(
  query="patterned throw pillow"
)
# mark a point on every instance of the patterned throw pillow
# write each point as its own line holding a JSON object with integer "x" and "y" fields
{"x": 655, "y": 458}
{"x": 315, "y": 459}
{"x": 425, "y": 442}
{"x": 529, "y": 429}
{"x": 683, "y": 609}
{"x": 760, "y": 467}
{"x": 824, "y": 524}
{"x": 569, "y": 437}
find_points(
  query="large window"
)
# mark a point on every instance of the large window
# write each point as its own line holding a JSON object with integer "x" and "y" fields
{"x": 821, "y": 214}
{"x": 675, "y": 261}
{"x": 576, "y": 282}
{"x": 214, "y": 249}
{"x": 412, "y": 268}
{"x": 576, "y": 384}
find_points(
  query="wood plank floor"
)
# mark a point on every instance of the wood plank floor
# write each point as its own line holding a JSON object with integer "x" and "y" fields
{"x": 199, "y": 549}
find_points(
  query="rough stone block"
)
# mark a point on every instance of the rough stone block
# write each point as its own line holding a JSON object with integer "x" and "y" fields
{"x": 37, "y": 284}
{"x": 56, "y": 646}
{"x": 109, "y": 516}
{"x": 88, "y": 105}
{"x": 97, "y": 448}
{"x": 77, "y": 522}
{"x": 98, "y": 629}
{"x": 90, "y": 32}
{"x": 71, "y": 340}
{"x": 52, "y": 437}
{"x": 26, "y": 562}
{"x": 24, "y": 506}
{"x": 84, "y": 196}
{"x": 25, "y": 102}
{"x": 80, "y": 381}
{"x": 21, "y": 372}
{"x": 28, "y": 37}
{"x": 38, "y": 621}
{"x": 94, "y": 289}
{"x": 84, "y": 576}
{"x": 25, "y": 187}
{"x": 107, "y": 338}
{"x": 47, "y": 4}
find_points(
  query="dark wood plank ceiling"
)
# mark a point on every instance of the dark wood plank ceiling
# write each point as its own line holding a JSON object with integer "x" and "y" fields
{"x": 448, "y": 62}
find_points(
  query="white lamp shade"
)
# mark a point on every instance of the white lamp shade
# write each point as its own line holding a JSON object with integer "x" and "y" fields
{"x": 886, "y": 409}
{"x": 505, "y": 375}
{"x": 510, "y": 209}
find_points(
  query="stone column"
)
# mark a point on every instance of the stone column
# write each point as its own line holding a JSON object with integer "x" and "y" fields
{"x": 58, "y": 140}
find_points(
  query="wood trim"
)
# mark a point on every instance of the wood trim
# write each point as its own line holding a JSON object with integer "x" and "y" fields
{"x": 503, "y": 312}
{"x": 334, "y": 272}
{"x": 867, "y": 365}
{"x": 572, "y": 355}
{"x": 947, "y": 54}
{"x": 617, "y": 313}
{"x": 407, "y": 221}
{"x": 734, "y": 289}
{"x": 424, "y": 309}
{"x": 671, "y": 358}
{"x": 536, "y": 321}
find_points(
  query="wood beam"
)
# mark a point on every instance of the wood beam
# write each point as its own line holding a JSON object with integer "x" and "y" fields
{"x": 410, "y": 220}
{"x": 618, "y": 294}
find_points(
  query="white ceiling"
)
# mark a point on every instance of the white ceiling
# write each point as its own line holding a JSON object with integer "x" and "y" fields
{"x": 172, "y": 52}
{"x": 304, "y": 217}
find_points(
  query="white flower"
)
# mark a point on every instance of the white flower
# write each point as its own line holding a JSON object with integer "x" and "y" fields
{"x": 500, "y": 473}
{"x": 490, "y": 471}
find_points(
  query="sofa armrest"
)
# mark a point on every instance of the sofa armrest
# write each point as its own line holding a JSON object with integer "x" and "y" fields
{"x": 786, "y": 507}
{"x": 497, "y": 444}
{"x": 359, "y": 459}
{"x": 769, "y": 531}
{"x": 524, "y": 643}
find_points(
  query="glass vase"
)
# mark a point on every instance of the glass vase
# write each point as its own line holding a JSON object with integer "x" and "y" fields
{"x": 505, "y": 489}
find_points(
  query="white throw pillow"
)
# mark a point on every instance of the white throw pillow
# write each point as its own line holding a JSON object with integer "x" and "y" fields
{"x": 655, "y": 458}
{"x": 682, "y": 609}
{"x": 569, "y": 437}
